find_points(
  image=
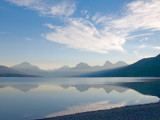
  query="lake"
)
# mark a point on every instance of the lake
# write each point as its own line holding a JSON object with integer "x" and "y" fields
{"x": 33, "y": 98}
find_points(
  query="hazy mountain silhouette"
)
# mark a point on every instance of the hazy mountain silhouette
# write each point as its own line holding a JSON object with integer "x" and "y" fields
{"x": 8, "y": 72}
{"x": 25, "y": 65}
{"x": 108, "y": 64}
{"x": 83, "y": 68}
{"x": 65, "y": 71}
{"x": 147, "y": 67}
{"x": 64, "y": 68}
{"x": 119, "y": 64}
{"x": 30, "y": 69}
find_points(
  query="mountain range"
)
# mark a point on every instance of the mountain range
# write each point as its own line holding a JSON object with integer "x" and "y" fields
{"x": 8, "y": 72}
{"x": 29, "y": 69}
{"x": 147, "y": 67}
{"x": 65, "y": 71}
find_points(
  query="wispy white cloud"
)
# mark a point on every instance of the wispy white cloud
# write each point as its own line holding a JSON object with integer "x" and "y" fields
{"x": 47, "y": 7}
{"x": 132, "y": 37}
{"x": 144, "y": 39}
{"x": 83, "y": 34}
{"x": 140, "y": 15}
{"x": 142, "y": 46}
{"x": 102, "y": 33}
{"x": 97, "y": 18}
{"x": 87, "y": 16}
{"x": 64, "y": 8}
{"x": 158, "y": 47}
{"x": 27, "y": 38}
{"x": 49, "y": 25}
{"x": 85, "y": 12}
{"x": 23, "y": 2}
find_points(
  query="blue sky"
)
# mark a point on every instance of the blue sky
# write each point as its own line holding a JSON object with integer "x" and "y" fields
{"x": 53, "y": 33}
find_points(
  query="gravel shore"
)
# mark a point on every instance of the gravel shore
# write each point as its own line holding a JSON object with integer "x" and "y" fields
{"x": 135, "y": 112}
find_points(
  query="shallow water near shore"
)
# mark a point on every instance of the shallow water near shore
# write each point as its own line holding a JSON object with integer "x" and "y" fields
{"x": 34, "y": 98}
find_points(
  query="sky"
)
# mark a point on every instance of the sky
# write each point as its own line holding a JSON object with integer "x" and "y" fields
{"x": 53, "y": 33}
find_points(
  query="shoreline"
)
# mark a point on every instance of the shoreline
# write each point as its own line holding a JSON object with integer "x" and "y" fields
{"x": 149, "y": 111}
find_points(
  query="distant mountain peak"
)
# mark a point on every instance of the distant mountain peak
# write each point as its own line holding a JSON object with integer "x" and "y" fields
{"x": 25, "y": 65}
{"x": 146, "y": 67}
{"x": 81, "y": 64}
{"x": 121, "y": 63}
{"x": 65, "y": 67}
{"x": 107, "y": 63}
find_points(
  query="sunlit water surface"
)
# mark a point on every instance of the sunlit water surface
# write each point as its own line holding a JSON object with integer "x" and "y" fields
{"x": 33, "y": 98}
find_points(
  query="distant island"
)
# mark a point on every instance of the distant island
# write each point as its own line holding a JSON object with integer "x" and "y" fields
{"x": 147, "y": 67}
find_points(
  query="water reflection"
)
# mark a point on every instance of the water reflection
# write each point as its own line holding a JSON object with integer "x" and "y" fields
{"x": 146, "y": 88}
{"x": 45, "y": 98}
{"x": 87, "y": 107}
{"x": 107, "y": 88}
{"x": 21, "y": 87}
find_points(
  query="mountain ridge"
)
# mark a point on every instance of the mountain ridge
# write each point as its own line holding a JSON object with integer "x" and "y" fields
{"x": 146, "y": 67}
{"x": 64, "y": 71}
{"x": 8, "y": 72}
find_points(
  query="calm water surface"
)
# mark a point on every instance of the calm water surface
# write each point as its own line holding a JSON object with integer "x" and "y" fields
{"x": 33, "y": 98}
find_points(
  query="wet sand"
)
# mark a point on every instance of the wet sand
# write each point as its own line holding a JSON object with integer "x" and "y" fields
{"x": 135, "y": 112}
